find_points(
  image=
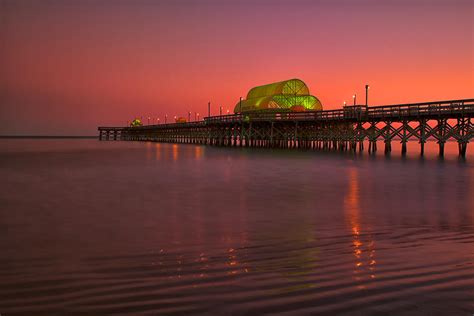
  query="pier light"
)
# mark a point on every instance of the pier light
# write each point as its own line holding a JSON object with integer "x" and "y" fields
{"x": 149, "y": 120}
{"x": 355, "y": 98}
{"x": 345, "y": 103}
{"x": 189, "y": 116}
{"x": 228, "y": 111}
{"x": 198, "y": 116}
{"x": 166, "y": 118}
{"x": 367, "y": 87}
{"x": 220, "y": 110}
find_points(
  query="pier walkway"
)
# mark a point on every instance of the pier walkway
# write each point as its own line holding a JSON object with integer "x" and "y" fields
{"x": 342, "y": 129}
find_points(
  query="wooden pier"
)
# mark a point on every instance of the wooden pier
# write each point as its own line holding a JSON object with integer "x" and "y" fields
{"x": 342, "y": 129}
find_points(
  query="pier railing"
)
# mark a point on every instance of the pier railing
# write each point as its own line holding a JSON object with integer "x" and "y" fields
{"x": 417, "y": 110}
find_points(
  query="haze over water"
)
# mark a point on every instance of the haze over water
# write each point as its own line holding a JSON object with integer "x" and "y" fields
{"x": 140, "y": 227}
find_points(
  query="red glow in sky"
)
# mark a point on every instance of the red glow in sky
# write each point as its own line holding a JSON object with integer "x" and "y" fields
{"x": 68, "y": 66}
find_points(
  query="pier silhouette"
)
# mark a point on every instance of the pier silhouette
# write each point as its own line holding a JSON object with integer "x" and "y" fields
{"x": 341, "y": 129}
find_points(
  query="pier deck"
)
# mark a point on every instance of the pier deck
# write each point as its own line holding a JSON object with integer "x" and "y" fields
{"x": 341, "y": 129}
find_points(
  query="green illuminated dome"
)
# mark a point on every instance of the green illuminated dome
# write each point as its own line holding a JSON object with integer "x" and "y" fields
{"x": 290, "y": 94}
{"x": 135, "y": 123}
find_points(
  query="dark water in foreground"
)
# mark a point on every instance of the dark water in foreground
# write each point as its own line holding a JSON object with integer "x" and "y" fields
{"x": 130, "y": 228}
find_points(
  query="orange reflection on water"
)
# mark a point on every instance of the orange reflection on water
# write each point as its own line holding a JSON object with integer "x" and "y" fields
{"x": 158, "y": 151}
{"x": 149, "y": 150}
{"x": 352, "y": 208}
{"x": 232, "y": 261}
{"x": 175, "y": 152}
{"x": 198, "y": 152}
{"x": 234, "y": 264}
{"x": 352, "y": 211}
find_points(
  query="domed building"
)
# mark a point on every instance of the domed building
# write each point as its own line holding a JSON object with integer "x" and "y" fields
{"x": 136, "y": 123}
{"x": 292, "y": 95}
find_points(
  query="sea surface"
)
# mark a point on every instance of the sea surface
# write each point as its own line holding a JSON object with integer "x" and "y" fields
{"x": 130, "y": 228}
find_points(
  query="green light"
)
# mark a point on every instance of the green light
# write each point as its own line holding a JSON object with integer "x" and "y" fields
{"x": 287, "y": 94}
{"x": 135, "y": 123}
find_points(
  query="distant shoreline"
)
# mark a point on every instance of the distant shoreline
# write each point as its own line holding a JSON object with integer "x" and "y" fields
{"x": 45, "y": 137}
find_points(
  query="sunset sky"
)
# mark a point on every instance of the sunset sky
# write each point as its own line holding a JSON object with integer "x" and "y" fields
{"x": 68, "y": 66}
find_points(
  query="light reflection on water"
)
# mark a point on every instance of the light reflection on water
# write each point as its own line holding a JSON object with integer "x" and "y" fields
{"x": 124, "y": 227}
{"x": 364, "y": 253}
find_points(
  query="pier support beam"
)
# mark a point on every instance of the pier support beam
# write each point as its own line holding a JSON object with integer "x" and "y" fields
{"x": 462, "y": 149}
{"x": 441, "y": 148}
{"x": 404, "y": 147}
{"x": 422, "y": 136}
{"x": 388, "y": 147}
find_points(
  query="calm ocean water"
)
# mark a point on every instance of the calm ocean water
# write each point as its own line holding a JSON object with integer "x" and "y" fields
{"x": 146, "y": 228}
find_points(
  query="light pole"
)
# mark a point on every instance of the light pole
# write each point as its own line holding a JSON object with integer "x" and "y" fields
{"x": 149, "y": 120}
{"x": 240, "y": 105}
{"x": 367, "y": 95}
{"x": 228, "y": 111}
{"x": 345, "y": 103}
{"x": 189, "y": 116}
{"x": 209, "y": 108}
{"x": 355, "y": 98}
{"x": 158, "y": 120}
{"x": 198, "y": 116}
{"x": 195, "y": 114}
{"x": 166, "y": 118}
{"x": 220, "y": 110}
